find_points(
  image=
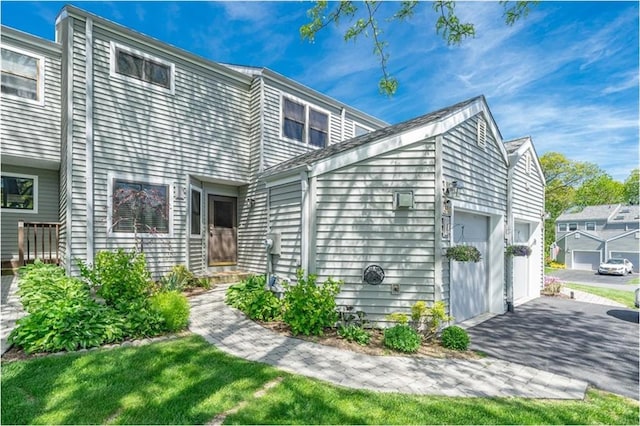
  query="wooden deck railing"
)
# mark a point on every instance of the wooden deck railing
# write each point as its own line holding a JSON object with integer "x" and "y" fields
{"x": 38, "y": 240}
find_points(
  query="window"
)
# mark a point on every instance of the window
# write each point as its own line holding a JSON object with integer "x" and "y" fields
{"x": 359, "y": 130}
{"x": 304, "y": 124}
{"x": 22, "y": 75}
{"x": 562, "y": 227}
{"x": 590, "y": 226}
{"x": 482, "y": 132}
{"x": 139, "y": 207}
{"x": 140, "y": 66}
{"x": 20, "y": 193}
{"x": 573, "y": 227}
{"x": 196, "y": 206}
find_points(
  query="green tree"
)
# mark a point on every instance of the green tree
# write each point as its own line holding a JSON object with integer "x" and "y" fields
{"x": 601, "y": 189}
{"x": 563, "y": 178}
{"x": 632, "y": 187}
{"x": 364, "y": 19}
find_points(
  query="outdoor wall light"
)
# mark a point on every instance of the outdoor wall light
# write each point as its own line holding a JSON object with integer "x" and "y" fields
{"x": 453, "y": 189}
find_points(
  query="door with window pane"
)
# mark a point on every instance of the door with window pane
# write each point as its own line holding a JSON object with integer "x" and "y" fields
{"x": 222, "y": 223}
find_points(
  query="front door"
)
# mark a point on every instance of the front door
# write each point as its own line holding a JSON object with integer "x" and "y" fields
{"x": 222, "y": 230}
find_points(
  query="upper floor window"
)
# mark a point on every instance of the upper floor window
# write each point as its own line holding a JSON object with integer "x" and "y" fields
{"x": 562, "y": 227}
{"x": 22, "y": 75}
{"x": 139, "y": 207}
{"x": 573, "y": 227}
{"x": 20, "y": 193}
{"x": 359, "y": 130}
{"x": 140, "y": 66}
{"x": 304, "y": 124}
{"x": 590, "y": 226}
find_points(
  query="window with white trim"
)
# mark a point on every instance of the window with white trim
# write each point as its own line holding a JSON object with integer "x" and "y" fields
{"x": 305, "y": 124}
{"x": 19, "y": 193}
{"x": 196, "y": 209}
{"x": 133, "y": 64}
{"x": 139, "y": 207}
{"x": 590, "y": 226}
{"x": 22, "y": 75}
{"x": 562, "y": 227}
{"x": 573, "y": 227}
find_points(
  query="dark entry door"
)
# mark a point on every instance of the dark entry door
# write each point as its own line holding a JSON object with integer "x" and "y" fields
{"x": 222, "y": 230}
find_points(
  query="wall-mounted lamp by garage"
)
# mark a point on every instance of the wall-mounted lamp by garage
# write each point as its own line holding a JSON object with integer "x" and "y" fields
{"x": 452, "y": 189}
{"x": 250, "y": 202}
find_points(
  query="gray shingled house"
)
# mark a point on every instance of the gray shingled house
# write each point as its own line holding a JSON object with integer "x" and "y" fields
{"x": 586, "y": 236}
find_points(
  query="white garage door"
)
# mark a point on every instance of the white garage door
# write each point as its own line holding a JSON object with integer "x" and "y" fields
{"x": 468, "y": 285}
{"x": 586, "y": 260}
{"x": 633, "y": 256}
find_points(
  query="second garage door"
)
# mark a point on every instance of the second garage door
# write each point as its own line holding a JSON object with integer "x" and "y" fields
{"x": 634, "y": 257}
{"x": 586, "y": 260}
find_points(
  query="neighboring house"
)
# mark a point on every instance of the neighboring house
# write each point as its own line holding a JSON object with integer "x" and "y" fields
{"x": 114, "y": 139}
{"x": 586, "y": 236}
{"x": 526, "y": 220}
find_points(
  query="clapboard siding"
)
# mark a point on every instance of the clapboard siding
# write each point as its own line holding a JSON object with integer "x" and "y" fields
{"x": 285, "y": 219}
{"x": 47, "y": 208}
{"x": 30, "y": 130}
{"x": 356, "y": 225}
{"x": 528, "y": 190}
{"x": 202, "y": 129}
{"x": 629, "y": 242}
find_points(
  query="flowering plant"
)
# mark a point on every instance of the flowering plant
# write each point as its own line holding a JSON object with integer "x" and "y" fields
{"x": 464, "y": 253}
{"x": 518, "y": 250}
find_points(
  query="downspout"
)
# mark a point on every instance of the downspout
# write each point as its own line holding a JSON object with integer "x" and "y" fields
{"x": 509, "y": 233}
{"x": 261, "y": 130}
{"x": 68, "y": 56}
{"x": 305, "y": 221}
{"x": 439, "y": 216}
{"x": 89, "y": 140}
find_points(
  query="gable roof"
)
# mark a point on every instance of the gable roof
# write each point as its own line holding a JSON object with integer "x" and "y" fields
{"x": 585, "y": 233}
{"x": 438, "y": 119}
{"x": 517, "y": 148}
{"x": 601, "y": 212}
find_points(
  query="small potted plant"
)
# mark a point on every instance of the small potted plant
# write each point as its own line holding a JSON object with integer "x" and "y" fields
{"x": 518, "y": 250}
{"x": 463, "y": 253}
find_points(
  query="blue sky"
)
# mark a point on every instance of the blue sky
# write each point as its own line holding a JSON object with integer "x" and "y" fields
{"x": 567, "y": 75}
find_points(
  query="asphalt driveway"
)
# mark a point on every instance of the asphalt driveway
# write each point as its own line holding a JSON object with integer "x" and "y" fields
{"x": 593, "y": 278}
{"x": 595, "y": 343}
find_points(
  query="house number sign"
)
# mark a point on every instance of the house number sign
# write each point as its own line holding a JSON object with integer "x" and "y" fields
{"x": 373, "y": 274}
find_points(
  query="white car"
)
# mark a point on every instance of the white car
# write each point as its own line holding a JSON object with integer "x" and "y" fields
{"x": 617, "y": 266}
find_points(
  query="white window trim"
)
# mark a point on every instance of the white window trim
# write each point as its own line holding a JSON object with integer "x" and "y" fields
{"x": 569, "y": 226}
{"x": 586, "y": 226}
{"x": 41, "y": 76}
{"x": 116, "y": 75}
{"x": 367, "y": 128}
{"x": 566, "y": 227}
{"x": 198, "y": 189}
{"x": 307, "y": 106}
{"x": 35, "y": 194}
{"x": 141, "y": 179}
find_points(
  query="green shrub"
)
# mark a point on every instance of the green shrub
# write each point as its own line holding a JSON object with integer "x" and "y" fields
{"x": 308, "y": 307}
{"x": 250, "y": 297}
{"x": 41, "y": 284}
{"x": 67, "y": 324}
{"x": 119, "y": 276}
{"x": 174, "y": 308}
{"x": 398, "y": 318}
{"x": 353, "y": 333}
{"x": 402, "y": 338}
{"x": 428, "y": 320}
{"x": 454, "y": 337}
{"x": 139, "y": 319}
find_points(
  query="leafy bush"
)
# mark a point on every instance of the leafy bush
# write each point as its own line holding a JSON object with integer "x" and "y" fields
{"x": 454, "y": 337}
{"x": 41, "y": 284}
{"x": 463, "y": 253}
{"x": 309, "y": 307}
{"x": 181, "y": 278}
{"x": 429, "y": 320}
{"x": 174, "y": 308}
{"x": 402, "y": 338}
{"x": 250, "y": 297}
{"x": 552, "y": 286}
{"x": 139, "y": 319}
{"x": 353, "y": 333}
{"x": 399, "y": 318}
{"x": 119, "y": 276}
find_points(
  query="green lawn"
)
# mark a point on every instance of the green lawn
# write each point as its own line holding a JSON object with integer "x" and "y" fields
{"x": 634, "y": 281}
{"x": 187, "y": 381}
{"x": 627, "y": 298}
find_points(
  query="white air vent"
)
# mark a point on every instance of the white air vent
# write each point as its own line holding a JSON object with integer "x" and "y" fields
{"x": 403, "y": 200}
{"x": 482, "y": 132}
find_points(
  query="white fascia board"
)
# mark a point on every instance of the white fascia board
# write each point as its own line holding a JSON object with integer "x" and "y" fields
{"x": 50, "y": 47}
{"x": 289, "y": 176}
{"x": 626, "y": 234}
{"x": 593, "y": 237}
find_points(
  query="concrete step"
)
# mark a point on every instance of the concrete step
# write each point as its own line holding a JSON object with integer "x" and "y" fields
{"x": 228, "y": 277}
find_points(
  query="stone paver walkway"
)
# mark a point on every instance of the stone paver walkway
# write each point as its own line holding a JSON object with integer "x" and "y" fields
{"x": 229, "y": 330}
{"x": 10, "y": 309}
